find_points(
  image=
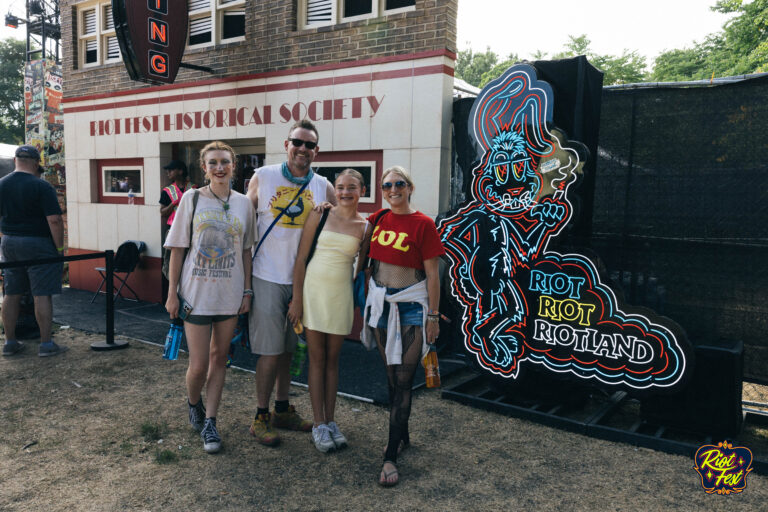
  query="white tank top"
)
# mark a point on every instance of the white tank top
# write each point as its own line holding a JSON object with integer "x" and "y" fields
{"x": 275, "y": 259}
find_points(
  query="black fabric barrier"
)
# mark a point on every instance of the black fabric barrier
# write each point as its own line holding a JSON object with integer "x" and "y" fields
{"x": 680, "y": 213}
{"x": 681, "y": 197}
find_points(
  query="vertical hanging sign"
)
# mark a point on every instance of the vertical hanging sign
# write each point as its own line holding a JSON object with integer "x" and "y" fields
{"x": 152, "y": 35}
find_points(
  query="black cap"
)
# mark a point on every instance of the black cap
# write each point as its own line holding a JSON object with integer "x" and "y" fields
{"x": 176, "y": 164}
{"x": 27, "y": 151}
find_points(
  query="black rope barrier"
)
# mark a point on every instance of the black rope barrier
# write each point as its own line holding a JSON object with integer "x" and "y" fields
{"x": 109, "y": 259}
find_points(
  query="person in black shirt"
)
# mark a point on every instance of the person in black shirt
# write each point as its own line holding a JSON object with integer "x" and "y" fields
{"x": 32, "y": 229}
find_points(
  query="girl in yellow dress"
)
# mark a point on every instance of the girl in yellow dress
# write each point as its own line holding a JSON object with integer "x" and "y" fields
{"x": 322, "y": 300}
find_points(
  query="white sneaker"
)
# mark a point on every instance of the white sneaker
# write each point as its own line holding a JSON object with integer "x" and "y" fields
{"x": 321, "y": 436}
{"x": 338, "y": 438}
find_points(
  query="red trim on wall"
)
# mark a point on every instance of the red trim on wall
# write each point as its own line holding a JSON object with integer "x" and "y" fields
{"x": 359, "y": 156}
{"x": 284, "y": 86}
{"x": 110, "y": 162}
{"x": 270, "y": 74}
{"x": 145, "y": 279}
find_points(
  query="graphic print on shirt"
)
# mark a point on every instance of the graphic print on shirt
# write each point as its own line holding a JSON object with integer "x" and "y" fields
{"x": 298, "y": 211}
{"x": 386, "y": 238}
{"x": 216, "y": 241}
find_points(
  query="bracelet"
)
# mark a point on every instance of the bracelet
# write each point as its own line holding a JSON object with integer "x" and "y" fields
{"x": 248, "y": 292}
{"x": 433, "y": 319}
{"x": 60, "y": 249}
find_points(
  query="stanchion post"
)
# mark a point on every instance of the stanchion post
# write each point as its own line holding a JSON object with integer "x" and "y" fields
{"x": 110, "y": 344}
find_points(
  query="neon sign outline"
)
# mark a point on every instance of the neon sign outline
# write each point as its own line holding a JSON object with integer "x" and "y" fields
{"x": 500, "y": 268}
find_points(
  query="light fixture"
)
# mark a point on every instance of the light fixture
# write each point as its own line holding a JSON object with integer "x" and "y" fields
{"x": 11, "y": 21}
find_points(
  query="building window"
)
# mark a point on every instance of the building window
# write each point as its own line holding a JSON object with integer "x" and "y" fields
{"x": 120, "y": 181}
{"x": 316, "y": 13}
{"x": 97, "y": 40}
{"x": 216, "y": 21}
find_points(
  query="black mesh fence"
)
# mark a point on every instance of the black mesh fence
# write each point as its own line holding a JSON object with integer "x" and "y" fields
{"x": 681, "y": 208}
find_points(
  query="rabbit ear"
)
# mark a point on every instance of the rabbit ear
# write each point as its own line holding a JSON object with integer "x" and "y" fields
{"x": 516, "y": 100}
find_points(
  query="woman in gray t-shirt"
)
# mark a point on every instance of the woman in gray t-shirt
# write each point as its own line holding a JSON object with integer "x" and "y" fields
{"x": 214, "y": 280}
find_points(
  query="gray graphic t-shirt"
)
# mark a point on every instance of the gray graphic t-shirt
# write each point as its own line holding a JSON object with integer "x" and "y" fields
{"x": 212, "y": 278}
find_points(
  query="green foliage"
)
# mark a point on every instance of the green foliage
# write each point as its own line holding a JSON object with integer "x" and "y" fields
{"x": 627, "y": 68}
{"x": 153, "y": 431}
{"x": 498, "y": 69}
{"x": 166, "y": 457}
{"x": 740, "y": 48}
{"x": 12, "y": 52}
{"x": 470, "y": 66}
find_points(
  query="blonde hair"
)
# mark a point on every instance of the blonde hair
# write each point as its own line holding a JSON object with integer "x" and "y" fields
{"x": 354, "y": 173}
{"x": 402, "y": 172}
{"x": 217, "y": 145}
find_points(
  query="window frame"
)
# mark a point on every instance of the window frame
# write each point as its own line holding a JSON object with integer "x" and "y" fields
{"x": 104, "y": 166}
{"x": 378, "y": 9}
{"x": 215, "y": 12}
{"x": 100, "y": 36}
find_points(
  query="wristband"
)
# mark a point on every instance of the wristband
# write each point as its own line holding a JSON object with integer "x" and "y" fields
{"x": 60, "y": 249}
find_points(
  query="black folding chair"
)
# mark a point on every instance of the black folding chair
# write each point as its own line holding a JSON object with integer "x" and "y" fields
{"x": 126, "y": 259}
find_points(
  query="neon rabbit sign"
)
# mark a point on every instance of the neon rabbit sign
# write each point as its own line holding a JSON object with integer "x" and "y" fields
{"x": 521, "y": 303}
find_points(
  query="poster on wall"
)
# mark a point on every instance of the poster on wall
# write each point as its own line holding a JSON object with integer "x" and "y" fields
{"x": 522, "y": 304}
{"x": 44, "y": 116}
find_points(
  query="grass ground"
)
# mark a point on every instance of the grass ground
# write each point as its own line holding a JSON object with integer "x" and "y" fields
{"x": 107, "y": 431}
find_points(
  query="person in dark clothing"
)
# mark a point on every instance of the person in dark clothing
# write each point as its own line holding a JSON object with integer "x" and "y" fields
{"x": 32, "y": 228}
{"x": 170, "y": 197}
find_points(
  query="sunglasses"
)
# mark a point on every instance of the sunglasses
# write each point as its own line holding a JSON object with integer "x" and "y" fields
{"x": 307, "y": 144}
{"x": 398, "y": 184}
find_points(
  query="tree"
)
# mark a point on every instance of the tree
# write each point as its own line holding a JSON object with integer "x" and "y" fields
{"x": 471, "y": 66}
{"x": 12, "y": 53}
{"x": 498, "y": 69}
{"x": 740, "y": 48}
{"x": 627, "y": 68}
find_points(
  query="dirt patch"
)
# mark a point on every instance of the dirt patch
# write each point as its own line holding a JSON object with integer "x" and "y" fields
{"x": 82, "y": 432}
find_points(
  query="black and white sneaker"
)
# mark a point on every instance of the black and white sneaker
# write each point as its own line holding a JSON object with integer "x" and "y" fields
{"x": 197, "y": 415}
{"x": 211, "y": 438}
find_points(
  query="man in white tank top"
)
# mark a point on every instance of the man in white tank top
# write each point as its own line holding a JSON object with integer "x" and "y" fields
{"x": 275, "y": 189}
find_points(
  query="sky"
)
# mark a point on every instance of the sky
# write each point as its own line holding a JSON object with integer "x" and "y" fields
{"x": 522, "y": 27}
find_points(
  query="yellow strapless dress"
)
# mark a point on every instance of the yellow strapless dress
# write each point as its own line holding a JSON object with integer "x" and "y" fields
{"x": 328, "y": 305}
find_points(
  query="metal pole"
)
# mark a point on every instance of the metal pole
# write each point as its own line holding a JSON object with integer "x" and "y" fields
{"x": 110, "y": 344}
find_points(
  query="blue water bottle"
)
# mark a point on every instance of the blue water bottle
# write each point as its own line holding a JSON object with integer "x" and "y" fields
{"x": 173, "y": 341}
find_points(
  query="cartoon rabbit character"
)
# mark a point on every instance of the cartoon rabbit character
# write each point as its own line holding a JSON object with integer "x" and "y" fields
{"x": 518, "y": 203}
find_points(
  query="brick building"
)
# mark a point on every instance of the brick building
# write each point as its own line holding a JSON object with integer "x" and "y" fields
{"x": 376, "y": 77}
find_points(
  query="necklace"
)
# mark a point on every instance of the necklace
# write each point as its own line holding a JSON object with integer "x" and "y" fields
{"x": 224, "y": 204}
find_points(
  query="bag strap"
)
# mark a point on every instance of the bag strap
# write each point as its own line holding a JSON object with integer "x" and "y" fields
{"x": 191, "y": 222}
{"x": 323, "y": 218}
{"x": 368, "y": 241}
{"x": 277, "y": 218}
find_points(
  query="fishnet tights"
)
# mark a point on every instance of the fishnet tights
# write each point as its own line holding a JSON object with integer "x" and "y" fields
{"x": 399, "y": 383}
{"x": 395, "y": 276}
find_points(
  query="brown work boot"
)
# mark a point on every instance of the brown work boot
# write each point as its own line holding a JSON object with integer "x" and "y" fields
{"x": 261, "y": 429}
{"x": 290, "y": 420}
